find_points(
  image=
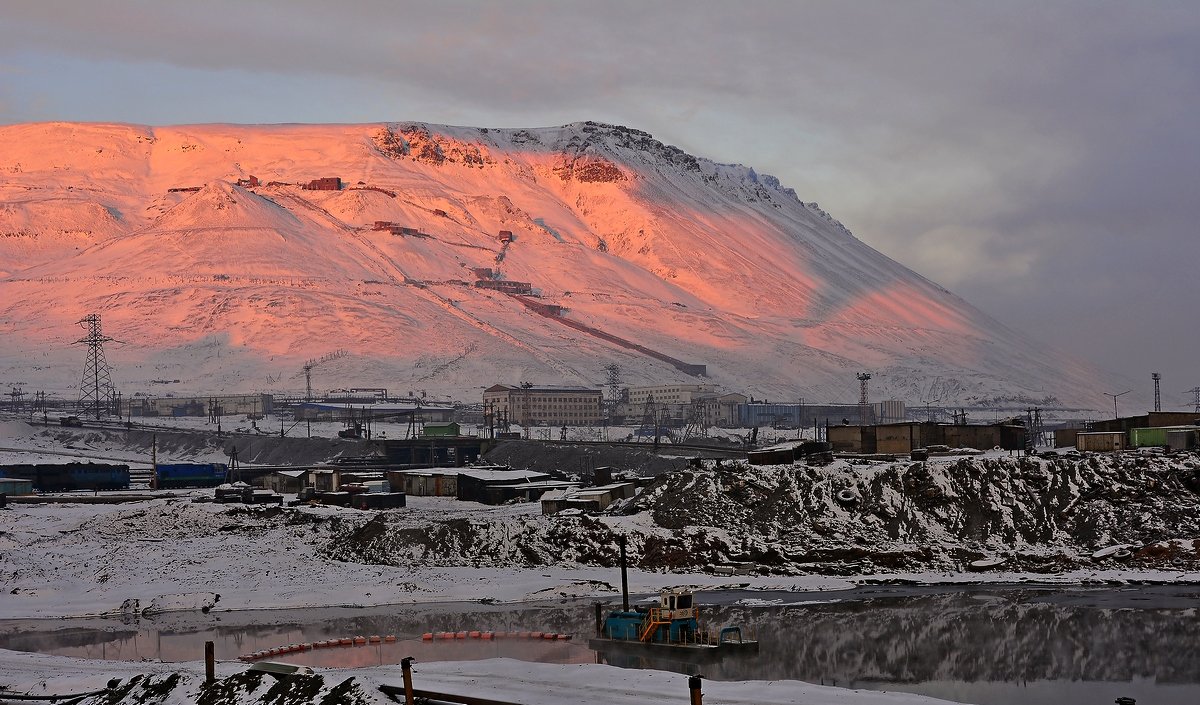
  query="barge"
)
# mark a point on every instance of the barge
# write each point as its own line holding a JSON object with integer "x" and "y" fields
{"x": 673, "y": 626}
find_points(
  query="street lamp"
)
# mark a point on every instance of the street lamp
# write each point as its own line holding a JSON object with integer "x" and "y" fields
{"x": 1114, "y": 398}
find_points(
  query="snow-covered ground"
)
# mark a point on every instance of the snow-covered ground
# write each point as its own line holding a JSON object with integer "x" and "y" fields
{"x": 1029, "y": 520}
{"x": 499, "y": 679}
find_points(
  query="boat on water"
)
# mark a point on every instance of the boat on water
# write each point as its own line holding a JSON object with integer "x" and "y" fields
{"x": 673, "y": 625}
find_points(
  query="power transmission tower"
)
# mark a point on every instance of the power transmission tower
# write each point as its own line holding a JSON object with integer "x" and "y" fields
{"x": 613, "y": 383}
{"x": 864, "y": 407}
{"x": 525, "y": 387}
{"x": 96, "y": 390}
{"x": 1157, "y": 398}
{"x": 1195, "y": 392}
{"x": 15, "y": 394}
{"x": 1035, "y": 434}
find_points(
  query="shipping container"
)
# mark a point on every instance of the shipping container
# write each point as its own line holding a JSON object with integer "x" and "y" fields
{"x": 1100, "y": 441}
{"x": 1147, "y": 437}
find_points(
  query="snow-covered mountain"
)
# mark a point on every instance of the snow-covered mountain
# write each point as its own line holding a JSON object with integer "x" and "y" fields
{"x": 637, "y": 253}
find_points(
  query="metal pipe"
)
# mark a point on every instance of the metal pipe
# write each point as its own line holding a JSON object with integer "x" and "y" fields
{"x": 210, "y": 662}
{"x": 694, "y": 687}
{"x": 624, "y": 576}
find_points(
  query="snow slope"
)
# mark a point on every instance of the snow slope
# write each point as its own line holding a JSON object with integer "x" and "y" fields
{"x": 232, "y": 288}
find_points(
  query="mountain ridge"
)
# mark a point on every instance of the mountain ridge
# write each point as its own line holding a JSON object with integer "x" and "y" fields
{"x": 709, "y": 263}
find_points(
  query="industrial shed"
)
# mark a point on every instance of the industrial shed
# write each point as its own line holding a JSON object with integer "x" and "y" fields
{"x": 285, "y": 481}
{"x": 586, "y": 498}
{"x": 497, "y": 485}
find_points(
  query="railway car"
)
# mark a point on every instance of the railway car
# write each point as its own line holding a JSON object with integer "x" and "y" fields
{"x": 177, "y": 475}
{"x": 66, "y": 477}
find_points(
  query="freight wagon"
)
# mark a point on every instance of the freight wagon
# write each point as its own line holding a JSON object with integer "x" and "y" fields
{"x": 70, "y": 476}
{"x": 178, "y": 475}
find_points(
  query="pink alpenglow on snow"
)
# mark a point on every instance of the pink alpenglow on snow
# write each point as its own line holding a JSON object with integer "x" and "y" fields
{"x": 255, "y": 272}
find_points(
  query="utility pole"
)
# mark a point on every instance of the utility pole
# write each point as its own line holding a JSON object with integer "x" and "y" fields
{"x": 863, "y": 406}
{"x": 1157, "y": 398}
{"x": 1114, "y": 398}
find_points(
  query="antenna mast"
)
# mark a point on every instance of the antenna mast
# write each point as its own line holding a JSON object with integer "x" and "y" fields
{"x": 96, "y": 390}
{"x": 1157, "y": 397}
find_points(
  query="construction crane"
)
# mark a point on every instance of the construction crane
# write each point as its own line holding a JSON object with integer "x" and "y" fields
{"x": 308, "y": 368}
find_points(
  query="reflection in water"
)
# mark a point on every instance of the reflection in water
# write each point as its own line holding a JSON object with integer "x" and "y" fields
{"x": 980, "y": 646}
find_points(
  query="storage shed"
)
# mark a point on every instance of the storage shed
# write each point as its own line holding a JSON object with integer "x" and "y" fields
{"x": 1101, "y": 441}
{"x": 285, "y": 481}
{"x": 426, "y": 482}
{"x": 1182, "y": 439}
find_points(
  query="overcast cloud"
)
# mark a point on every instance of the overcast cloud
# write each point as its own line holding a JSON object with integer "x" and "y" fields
{"x": 1040, "y": 159}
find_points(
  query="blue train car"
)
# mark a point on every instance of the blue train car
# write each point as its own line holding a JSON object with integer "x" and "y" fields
{"x": 178, "y": 475}
{"x": 66, "y": 477}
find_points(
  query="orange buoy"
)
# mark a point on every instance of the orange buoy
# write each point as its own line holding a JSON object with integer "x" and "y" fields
{"x": 460, "y": 635}
{"x": 535, "y": 635}
{"x": 486, "y": 635}
{"x": 473, "y": 635}
{"x": 374, "y": 639}
{"x": 564, "y": 637}
{"x": 306, "y": 647}
{"x": 360, "y": 640}
{"x": 445, "y": 635}
{"x": 345, "y": 641}
{"x": 427, "y": 636}
{"x": 389, "y": 639}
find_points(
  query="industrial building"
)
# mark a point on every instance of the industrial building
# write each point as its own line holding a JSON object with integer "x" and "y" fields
{"x": 544, "y": 405}
{"x": 680, "y": 404}
{"x": 905, "y": 437}
{"x": 400, "y": 412}
{"x": 755, "y": 414}
{"x": 226, "y": 405}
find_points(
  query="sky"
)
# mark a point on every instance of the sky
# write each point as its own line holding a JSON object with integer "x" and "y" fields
{"x": 1040, "y": 159}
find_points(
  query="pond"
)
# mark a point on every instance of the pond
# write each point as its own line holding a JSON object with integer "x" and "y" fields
{"x": 1014, "y": 644}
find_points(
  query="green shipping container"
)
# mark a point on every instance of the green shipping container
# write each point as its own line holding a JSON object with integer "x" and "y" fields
{"x": 1147, "y": 437}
